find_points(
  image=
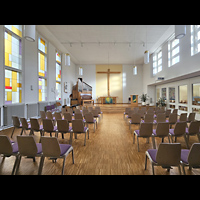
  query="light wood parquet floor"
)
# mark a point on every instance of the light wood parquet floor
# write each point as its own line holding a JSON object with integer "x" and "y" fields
{"x": 109, "y": 151}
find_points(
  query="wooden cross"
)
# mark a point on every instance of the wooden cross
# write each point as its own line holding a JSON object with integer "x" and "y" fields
{"x": 108, "y": 78}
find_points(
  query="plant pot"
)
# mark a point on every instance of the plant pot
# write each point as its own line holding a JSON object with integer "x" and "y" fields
{"x": 144, "y": 103}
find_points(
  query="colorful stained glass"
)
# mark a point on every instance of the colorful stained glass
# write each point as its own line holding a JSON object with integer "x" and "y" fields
{"x": 58, "y": 57}
{"x": 42, "y": 64}
{"x": 58, "y": 72}
{"x": 42, "y": 89}
{"x": 13, "y": 87}
{"x": 17, "y": 29}
{"x": 42, "y": 45}
{"x": 58, "y": 91}
{"x": 13, "y": 51}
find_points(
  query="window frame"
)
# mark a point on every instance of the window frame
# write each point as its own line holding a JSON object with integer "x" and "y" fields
{"x": 57, "y": 81}
{"x": 194, "y": 41}
{"x": 173, "y": 45}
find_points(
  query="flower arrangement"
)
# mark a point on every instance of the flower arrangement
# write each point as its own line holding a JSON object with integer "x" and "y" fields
{"x": 144, "y": 97}
{"x": 161, "y": 102}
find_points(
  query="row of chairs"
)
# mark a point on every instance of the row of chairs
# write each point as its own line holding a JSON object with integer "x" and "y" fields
{"x": 163, "y": 130}
{"x": 171, "y": 155}
{"x": 26, "y": 146}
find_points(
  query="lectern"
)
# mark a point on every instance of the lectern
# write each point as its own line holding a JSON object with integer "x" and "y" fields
{"x": 134, "y": 100}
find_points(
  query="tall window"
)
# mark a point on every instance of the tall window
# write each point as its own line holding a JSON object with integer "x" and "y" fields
{"x": 173, "y": 52}
{"x": 13, "y": 63}
{"x": 42, "y": 69}
{"x": 58, "y": 76}
{"x": 157, "y": 62}
{"x": 195, "y": 39}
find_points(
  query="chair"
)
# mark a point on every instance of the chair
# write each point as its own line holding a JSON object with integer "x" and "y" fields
{"x": 172, "y": 119}
{"x": 25, "y": 125}
{"x": 135, "y": 119}
{"x": 48, "y": 126}
{"x": 126, "y": 111}
{"x": 99, "y": 111}
{"x": 28, "y": 147}
{"x": 63, "y": 127}
{"x": 36, "y": 127}
{"x": 191, "y": 117}
{"x": 178, "y": 131}
{"x": 89, "y": 119}
{"x": 16, "y": 124}
{"x": 68, "y": 117}
{"x": 43, "y": 115}
{"x": 161, "y": 131}
{"x": 57, "y": 116}
{"x": 193, "y": 130}
{"x": 167, "y": 112}
{"x": 69, "y": 110}
{"x": 90, "y": 108}
{"x": 183, "y": 117}
{"x": 167, "y": 156}
{"x": 145, "y": 131}
{"x": 51, "y": 117}
{"x": 161, "y": 117}
{"x": 78, "y": 128}
{"x": 8, "y": 149}
{"x": 148, "y": 118}
{"x": 96, "y": 114}
{"x": 175, "y": 111}
{"x": 56, "y": 151}
{"x": 77, "y": 111}
{"x": 191, "y": 158}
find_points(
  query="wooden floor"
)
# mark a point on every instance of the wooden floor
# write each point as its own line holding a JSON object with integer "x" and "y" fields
{"x": 109, "y": 151}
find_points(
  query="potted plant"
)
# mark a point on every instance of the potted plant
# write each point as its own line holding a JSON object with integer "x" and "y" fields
{"x": 144, "y": 98}
{"x": 161, "y": 102}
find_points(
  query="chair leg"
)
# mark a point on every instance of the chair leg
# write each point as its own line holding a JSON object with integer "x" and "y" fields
{"x": 12, "y": 132}
{"x": 85, "y": 139}
{"x": 73, "y": 156}
{"x": 183, "y": 168}
{"x": 15, "y": 165}
{"x": 41, "y": 165}
{"x": 133, "y": 138}
{"x": 138, "y": 144}
{"x": 18, "y": 163}
{"x": 154, "y": 142}
{"x": 63, "y": 165}
{"x": 152, "y": 165}
{"x": 186, "y": 141}
{"x": 198, "y": 135}
{"x": 179, "y": 169}
{"x": 145, "y": 162}
{"x": 88, "y": 134}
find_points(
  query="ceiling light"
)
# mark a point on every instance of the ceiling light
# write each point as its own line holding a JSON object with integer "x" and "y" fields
{"x": 29, "y": 32}
{"x": 180, "y": 31}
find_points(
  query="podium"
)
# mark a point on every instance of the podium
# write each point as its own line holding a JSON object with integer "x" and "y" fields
{"x": 134, "y": 100}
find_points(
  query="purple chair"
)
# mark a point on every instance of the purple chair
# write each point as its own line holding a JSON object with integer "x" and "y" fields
{"x": 8, "y": 149}
{"x": 191, "y": 158}
{"x": 56, "y": 151}
{"x": 167, "y": 155}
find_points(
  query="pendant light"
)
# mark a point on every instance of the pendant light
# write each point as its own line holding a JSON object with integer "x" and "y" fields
{"x": 80, "y": 71}
{"x": 146, "y": 57}
{"x": 29, "y": 32}
{"x": 180, "y": 31}
{"x": 135, "y": 70}
{"x": 67, "y": 59}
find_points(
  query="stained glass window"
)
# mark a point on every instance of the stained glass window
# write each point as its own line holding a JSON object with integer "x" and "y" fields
{"x": 13, "y": 50}
{"x": 13, "y": 87}
{"x": 58, "y": 76}
{"x": 42, "y": 69}
{"x": 42, "y": 89}
{"x": 13, "y": 63}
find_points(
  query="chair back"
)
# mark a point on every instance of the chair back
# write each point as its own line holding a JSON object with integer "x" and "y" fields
{"x": 89, "y": 118}
{"x": 146, "y": 129}
{"x": 77, "y": 111}
{"x": 90, "y": 108}
{"x": 180, "y": 128}
{"x": 148, "y": 118}
{"x": 150, "y": 111}
{"x": 191, "y": 117}
{"x": 135, "y": 118}
{"x": 57, "y": 115}
{"x": 98, "y": 109}
{"x": 68, "y": 117}
{"x": 5, "y": 145}
{"x": 48, "y": 125}
{"x": 16, "y": 122}
{"x": 168, "y": 154}
{"x": 69, "y": 110}
{"x": 183, "y": 117}
{"x": 95, "y": 113}
{"x": 34, "y": 124}
{"x": 162, "y": 129}
{"x": 136, "y": 109}
{"x": 27, "y": 145}
{"x": 78, "y": 116}
{"x": 49, "y": 115}
{"x": 175, "y": 111}
{"x": 62, "y": 125}
{"x": 127, "y": 110}
{"x": 52, "y": 142}
{"x": 42, "y": 114}
{"x": 63, "y": 110}
{"x": 167, "y": 112}
{"x": 161, "y": 117}
{"x": 194, "y": 127}
{"x": 78, "y": 126}
{"x": 85, "y": 112}
{"x": 194, "y": 155}
{"x": 172, "y": 118}
{"x": 130, "y": 112}
{"x": 24, "y": 122}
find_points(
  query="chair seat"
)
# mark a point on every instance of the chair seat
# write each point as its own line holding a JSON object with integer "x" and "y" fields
{"x": 154, "y": 132}
{"x": 70, "y": 128}
{"x": 85, "y": 129}
{"x": 133, "y": 122}
{"x": 184, "y": 155}
{"x": 15, "y": 147}
{"x": 171, "y": 131}
{"x": 64, "y": 148}
{"x": 152, "y": 153}
{"x": 39, "y": 147}
{"x": 137, "y": 132}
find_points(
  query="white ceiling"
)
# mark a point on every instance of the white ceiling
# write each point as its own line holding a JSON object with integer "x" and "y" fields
{"x": 113, "y": 44}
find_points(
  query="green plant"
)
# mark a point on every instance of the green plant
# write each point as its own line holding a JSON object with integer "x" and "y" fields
{"x": 144, "y": 97}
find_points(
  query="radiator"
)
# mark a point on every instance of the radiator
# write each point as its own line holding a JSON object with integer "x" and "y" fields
{"x": 32, "y": 110}
{"x": 11, "y": 110}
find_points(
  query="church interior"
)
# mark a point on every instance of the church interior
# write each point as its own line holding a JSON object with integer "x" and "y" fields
{"x": 99, "y": 99}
